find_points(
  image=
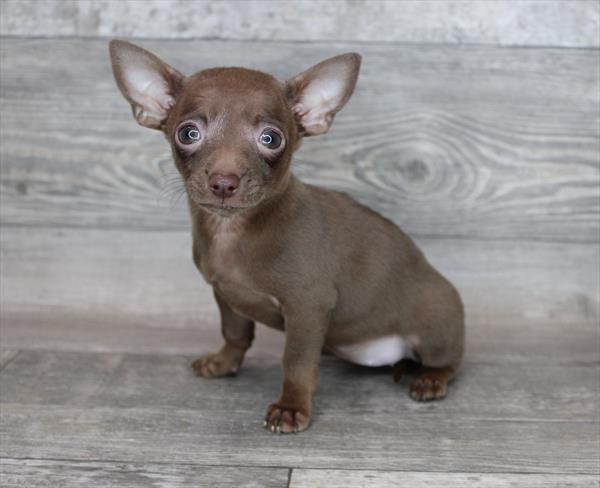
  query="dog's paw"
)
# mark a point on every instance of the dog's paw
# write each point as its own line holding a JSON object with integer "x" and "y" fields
{"x": 215, "y": 365}
{"x": 285, "y": 420}
{"x": 426, "y": 388}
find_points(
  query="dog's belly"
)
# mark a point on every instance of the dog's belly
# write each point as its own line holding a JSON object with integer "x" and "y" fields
{"x": 383, "y": 351}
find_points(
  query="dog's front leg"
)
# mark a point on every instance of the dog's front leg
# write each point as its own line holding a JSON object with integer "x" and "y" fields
{"x": 305, "y": 336}
{"x": 238, "y": 333}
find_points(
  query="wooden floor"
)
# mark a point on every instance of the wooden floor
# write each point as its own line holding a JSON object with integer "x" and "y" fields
{"x": 132, "y": 418}
{"x": 488, "y": 156}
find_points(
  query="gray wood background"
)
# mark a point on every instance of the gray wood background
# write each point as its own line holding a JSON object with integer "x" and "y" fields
{"x": 475, "y": 126}
{"x": 567, "y": 23}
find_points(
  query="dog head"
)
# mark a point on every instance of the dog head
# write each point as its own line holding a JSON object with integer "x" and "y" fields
{"x": 232, "y": 130}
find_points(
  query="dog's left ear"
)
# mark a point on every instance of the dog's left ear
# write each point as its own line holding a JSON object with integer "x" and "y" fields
{"x": 318, "y": 93}
{"x": 147, "y": 82}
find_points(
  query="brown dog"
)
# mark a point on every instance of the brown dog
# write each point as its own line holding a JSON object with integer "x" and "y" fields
{"x": 312, "y": 262}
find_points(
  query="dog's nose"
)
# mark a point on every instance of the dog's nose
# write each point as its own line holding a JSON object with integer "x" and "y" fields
{"x": 224, "y": 186}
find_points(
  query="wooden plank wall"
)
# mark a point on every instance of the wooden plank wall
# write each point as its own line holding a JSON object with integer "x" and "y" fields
{"x": 475, "y": 142}
{"x": 559, "y": 23}
{"x": 494, "y": 170}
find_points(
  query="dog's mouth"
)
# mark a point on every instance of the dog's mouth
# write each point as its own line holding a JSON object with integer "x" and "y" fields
{"x": 223, "y": 209}
{"x": 220, "y": 207}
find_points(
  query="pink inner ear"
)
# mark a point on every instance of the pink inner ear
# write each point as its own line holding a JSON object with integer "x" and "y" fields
{"x": 149, "y": 93}
{"x": 322, "y": 97}
{"x": 146, "y": 82}
{"x": 313, "y": 121}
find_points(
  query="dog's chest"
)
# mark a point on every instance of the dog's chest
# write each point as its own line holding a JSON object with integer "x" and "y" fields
{"x": 223, "y": 260}
{"x": 226, "y": 267}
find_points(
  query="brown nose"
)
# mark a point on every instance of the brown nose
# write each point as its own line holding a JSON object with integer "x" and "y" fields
{"x": 224, "y": 186}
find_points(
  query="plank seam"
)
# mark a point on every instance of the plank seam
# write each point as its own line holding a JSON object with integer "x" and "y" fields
{"x": 414, "y": 235}
{"x": 232, "y": 40}
{"x": 261, "y": 466}
{"x": 190, "y": 357}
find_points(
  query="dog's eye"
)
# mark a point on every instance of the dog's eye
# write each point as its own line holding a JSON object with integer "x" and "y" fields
{"x": 188, "y": 134}
{"x": 270, "y": 139}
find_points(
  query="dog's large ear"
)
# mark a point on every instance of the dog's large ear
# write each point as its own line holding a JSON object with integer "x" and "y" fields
{"x": 147, "y": 82}
{"x": 318, "y": 93}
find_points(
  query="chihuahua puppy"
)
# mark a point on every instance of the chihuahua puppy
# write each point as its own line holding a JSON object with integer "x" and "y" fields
{"x": 314, "y": 263}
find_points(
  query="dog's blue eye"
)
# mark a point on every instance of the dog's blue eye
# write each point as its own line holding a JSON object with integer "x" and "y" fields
{"x": 270, "y": 139}
{"x": 188, "y": 134}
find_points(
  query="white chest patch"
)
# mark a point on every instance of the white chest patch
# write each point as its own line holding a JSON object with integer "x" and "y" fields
{"x": 221, "y": 258}
{"x": 383, "y": 351}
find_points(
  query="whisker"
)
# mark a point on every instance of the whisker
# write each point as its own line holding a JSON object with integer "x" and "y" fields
{"x": 172, "y": 188}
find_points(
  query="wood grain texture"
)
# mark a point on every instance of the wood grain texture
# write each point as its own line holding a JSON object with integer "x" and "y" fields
{"x": 66, "y": 329}
{"x": 7, "y": 355}
{"x": 546, "y": 393}
{"x": 526, "y": 22}
{"x": 145, "y": 409}
{"x": 473, "y": 142}
{"x": 29, "y": 473}
{"x": 310, "y": 478}
{"x": 63, "y": 329}
{"x": 234, "y": 435}
{"x": 523, "y": 295}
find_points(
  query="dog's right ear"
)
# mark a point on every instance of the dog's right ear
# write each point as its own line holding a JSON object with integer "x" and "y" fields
{"x": 148, "y": 83}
